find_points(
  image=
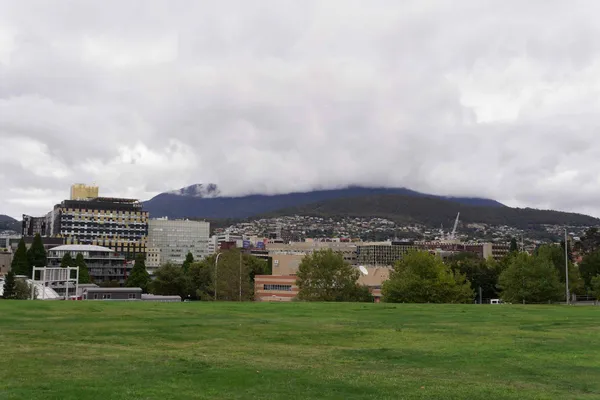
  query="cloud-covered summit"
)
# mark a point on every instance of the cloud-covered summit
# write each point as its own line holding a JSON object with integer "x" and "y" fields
{"x": 472, "y": 98}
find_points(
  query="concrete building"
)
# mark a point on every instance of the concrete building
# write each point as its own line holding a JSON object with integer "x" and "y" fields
{"x": 152, "y": 259}
{"x": 123, "y": 294}
{"x": 174, "y": 239}
{"x": 119, "y": 224}
{"x": 382, "y": 253}
{"x": 104, "y": 264}
{"x": 5, "y": 261}
{"x": 348, "y": 250}
{"x": 215, "y": 241}
{"x": 275, "y": 288}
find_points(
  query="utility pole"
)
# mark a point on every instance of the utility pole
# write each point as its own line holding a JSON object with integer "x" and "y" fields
{"x": 480, "y": 296}
{"x": 240, "y": 276}
{"x": 566, "y": 269}
{"x": 216, "y": 270}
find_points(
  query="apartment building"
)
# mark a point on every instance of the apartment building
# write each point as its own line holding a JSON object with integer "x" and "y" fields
{"x": 116, "y": 223}
{"x": 171, "y": 241}
{"x": 103, "y": 264}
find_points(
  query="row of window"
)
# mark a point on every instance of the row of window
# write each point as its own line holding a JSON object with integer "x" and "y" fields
{"x": 285, "y": 288}
{"x": 107, "y": 296}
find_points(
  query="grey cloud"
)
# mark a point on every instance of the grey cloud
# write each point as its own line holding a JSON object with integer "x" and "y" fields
{"x": 485, "y": 98}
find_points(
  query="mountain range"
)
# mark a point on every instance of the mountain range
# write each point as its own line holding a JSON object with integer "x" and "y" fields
{"x": 398, "y": 204}
{"x": 9, "y": 224}
{"x": 199, "y": 201}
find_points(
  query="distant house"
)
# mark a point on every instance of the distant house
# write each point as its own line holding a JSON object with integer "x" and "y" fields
{"x": 117, "y": 293}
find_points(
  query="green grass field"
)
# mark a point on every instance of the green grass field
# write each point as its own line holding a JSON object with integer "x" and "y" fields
{"x": 98, "y": 350}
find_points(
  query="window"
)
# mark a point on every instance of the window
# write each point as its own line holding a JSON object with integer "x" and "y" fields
{"x": 106, "y": 296}
{"x": 131, "y": 296}
{"x": 285, "y": 288}
{"x": 95, "y": 297}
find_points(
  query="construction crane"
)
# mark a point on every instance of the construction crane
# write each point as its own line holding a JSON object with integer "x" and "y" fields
{"x": 453, "y": 233}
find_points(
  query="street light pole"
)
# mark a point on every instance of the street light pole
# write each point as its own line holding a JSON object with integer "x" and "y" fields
{"x": 566, "y": 268}
{"x": 216, "y": 271}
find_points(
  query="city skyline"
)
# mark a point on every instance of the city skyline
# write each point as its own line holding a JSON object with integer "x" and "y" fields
{"x": 481, "y": 98}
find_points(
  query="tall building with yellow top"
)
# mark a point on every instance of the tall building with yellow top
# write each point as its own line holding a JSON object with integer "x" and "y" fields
{"x": 116, "y": 223}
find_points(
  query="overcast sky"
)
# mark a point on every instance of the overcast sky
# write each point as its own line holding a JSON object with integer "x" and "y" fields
{"x": 497, "y": 99}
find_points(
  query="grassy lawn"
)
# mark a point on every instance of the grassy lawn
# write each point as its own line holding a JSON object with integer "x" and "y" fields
{"x": 97, "y": 350}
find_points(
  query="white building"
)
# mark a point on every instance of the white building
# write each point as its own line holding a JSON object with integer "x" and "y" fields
{"x": 171, "y": 241}
{"x": 216, "y": 240}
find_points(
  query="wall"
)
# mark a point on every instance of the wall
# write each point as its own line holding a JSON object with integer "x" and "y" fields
{"x": 5, "y": 261}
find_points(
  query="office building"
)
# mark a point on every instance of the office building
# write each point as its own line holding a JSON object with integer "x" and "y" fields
{"x": 171, "y": 241}
{"x": 115, "y": 223}
{"x": 382, "y": 253}
{"x": 223, "y": 241}
{"x": 104, "y": 264}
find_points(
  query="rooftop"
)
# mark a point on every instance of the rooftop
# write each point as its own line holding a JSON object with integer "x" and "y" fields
{"x": 81, "y": 248}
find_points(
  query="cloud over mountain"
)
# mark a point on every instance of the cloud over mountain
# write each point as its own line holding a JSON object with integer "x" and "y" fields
{"x": 472, "y": 98}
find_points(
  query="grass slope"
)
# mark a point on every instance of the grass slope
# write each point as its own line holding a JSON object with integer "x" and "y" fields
{"x": 93, "y": 350}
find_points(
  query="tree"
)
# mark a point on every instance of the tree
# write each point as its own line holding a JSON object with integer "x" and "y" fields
{"x": 189, "y": 260}
{"x": 200, "y": 275}
{"x": 234, "y": 275}
{"x": 36, "y": 254}
{"x": 421, "y": 277}
{"x": 170, "y": 280}
{"x": 556, "y": 255}
{"x": 84, "y": 273}
{"x": 481, "y": 273}
{"x": 514, "y": 247}
{"x": 590, "y": 242}
{"x": 325, "y": 276}
{"x": 23, "y": 290}
{"x": 530, "y": 279}
{"x": 589, "y": 267}
{"x": 9, "y": 286}
{"x": 67, "y": 261}
{"x": 139, "y": 277}
{"x": 595, "y": 283}
{"x": 20, "y": 263}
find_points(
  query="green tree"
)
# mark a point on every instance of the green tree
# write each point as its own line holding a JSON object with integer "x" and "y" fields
{"x": 139, "y": 277}
{"x": 20, "y": 263}
{"x": 189, "y": 260}
{"x": 36, "y": 254}
{"x": 421, "y": 277}
{"x": 170, "y": 280}
{"x": 325, "y": 276}
{"x": 589, "y": 267}
{"x": 590, "y": 242}
{"x": 84, "y": 273}
{"x": 23, "y": 290}
{"x": 67, "y": 261}
{"x": 200, "y": 276}
{"x": 595, "y": 286}
{"x": 234, "y": 274}
{"x": 514, "y": 247}
{"x": 530, "y": 279}
{"x": 9, "y": 286}
{"x": 481, "y": 273}
{"x": 556, "y": 255}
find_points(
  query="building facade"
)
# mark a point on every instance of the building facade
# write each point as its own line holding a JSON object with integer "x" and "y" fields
{"x": 5, "y": 261}
{"x": 172, "y": 240}
{"x": 118, "y": 224}
{"x": 382, "y": 254}
{"x": 104, "y": 264}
